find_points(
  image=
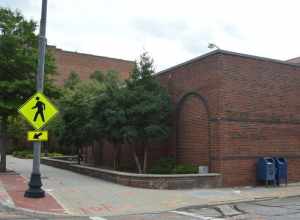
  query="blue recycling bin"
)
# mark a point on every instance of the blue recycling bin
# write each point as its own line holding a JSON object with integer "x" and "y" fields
{"x": 281, "y": 170}
{"x": 266, "y": 170}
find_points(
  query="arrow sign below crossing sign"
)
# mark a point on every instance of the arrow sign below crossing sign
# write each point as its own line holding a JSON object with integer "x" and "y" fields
{"x": 37, "y": 136}
{"x": 38, "y": 110}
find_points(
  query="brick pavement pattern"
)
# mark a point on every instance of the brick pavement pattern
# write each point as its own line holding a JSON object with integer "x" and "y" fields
{"x": 16, "y": 186}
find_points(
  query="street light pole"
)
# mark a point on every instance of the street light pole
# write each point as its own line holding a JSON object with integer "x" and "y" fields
{"x": 35, "y": 185}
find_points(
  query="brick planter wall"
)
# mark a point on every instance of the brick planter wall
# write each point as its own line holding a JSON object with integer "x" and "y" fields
{"x": 151, "y": 181}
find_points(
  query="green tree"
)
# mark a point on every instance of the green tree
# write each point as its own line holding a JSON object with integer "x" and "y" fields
{"x": 148, "y": 110}
{"x": 18, "y": 65}
{"x": 98, "y": 75}
{"x": 72, "y": 80}
{"x": 76, "y": 111}
{"x": 108, "y": 113}
{"x": 136, "y": 112}
{"x": 109, "y": 78}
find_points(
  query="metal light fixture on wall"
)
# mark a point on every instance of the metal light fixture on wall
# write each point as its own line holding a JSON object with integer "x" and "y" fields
{"x": 212, "y": 46}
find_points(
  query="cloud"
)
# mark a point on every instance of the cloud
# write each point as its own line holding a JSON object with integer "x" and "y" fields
{"x": 154, "y": 27}
{"x": 172, "y": 31}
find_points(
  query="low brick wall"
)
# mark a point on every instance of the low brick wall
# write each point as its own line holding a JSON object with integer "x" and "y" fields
{"x": 151, "y": 181}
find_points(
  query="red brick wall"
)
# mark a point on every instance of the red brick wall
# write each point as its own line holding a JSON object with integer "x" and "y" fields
{"x": 193, "y": 139}
{"x": 254, "y": 111}
{"x": 196, "y": 139}
{"x": 86, "y": 64}
{"x": 260, "y": 116}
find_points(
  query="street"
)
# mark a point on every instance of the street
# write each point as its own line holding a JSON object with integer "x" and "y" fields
{"x": 83, "y": 195}
{"x": 95, "y": 199}
{"x": 272, "y": 209}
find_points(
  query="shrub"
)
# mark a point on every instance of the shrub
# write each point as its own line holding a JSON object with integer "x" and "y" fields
{"x": 185, "y": 169}
{"x": 164, "y": 166}
{"x": 168, "y": 166}
{"x": 54, "y": 154}
{"x": 28, "y": 154}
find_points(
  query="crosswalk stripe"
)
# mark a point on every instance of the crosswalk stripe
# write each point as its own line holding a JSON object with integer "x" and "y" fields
{"x": 97, "y": 218}
{"x": 195, "y": 216}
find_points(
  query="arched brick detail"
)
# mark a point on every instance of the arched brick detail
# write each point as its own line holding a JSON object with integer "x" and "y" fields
{"x": 193, "y": 130}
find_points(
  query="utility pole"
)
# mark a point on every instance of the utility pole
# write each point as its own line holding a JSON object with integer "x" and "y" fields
{"x": 35, "y": 185}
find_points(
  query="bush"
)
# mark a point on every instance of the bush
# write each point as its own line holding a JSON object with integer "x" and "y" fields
{"x": 164, "y": 166}
{"x": 168, "y": 166}
{"x": 28, "y": 154}
{"x": 185, "y": 169}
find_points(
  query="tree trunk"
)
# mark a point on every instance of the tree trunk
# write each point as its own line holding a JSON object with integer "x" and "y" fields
{"x": 79, "y": 155}
{"x": 46, "y": 145}
{"x": 136, "y": 159}
{"x": 145, "y": 158}
{"x": 3, "y": 126}
{"x": 116, "y": 155}
{"x": 99, "y": 153}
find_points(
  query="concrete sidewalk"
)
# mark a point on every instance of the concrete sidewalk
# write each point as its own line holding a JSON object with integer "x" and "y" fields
{"x": 82, "y": 195}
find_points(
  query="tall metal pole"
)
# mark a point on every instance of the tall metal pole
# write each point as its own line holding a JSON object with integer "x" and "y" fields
{"x": 35, "y": 185}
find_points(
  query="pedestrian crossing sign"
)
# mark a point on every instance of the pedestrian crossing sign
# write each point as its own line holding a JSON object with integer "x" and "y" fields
{"x": 37, "y": 136}
{"x": 38, "y": 110}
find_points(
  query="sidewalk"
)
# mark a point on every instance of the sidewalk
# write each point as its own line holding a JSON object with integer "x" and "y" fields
{"x": 81, "y": 195}
{"x": 12, "y": 188}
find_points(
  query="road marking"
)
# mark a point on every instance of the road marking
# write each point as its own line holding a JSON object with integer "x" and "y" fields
{"x": 196, "y": 216}
{"x": 97, "y": 218}
{"x": 228, "y": 210}
{"x": 48, "y": 190}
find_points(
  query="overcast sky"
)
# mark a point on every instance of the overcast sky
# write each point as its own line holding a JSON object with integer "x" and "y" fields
{"x": 172, "y": 31}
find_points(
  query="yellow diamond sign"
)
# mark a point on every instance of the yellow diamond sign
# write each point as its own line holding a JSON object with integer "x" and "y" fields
{"x": 38, "y": 110}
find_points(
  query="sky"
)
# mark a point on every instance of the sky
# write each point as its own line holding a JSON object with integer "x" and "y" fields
{"x": 172, "y": 31}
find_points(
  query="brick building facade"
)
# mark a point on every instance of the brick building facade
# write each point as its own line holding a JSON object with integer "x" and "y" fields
{"x": 85, "y": 64}
{"x": 230, "y": 109}
{"x": 233, "y": 108}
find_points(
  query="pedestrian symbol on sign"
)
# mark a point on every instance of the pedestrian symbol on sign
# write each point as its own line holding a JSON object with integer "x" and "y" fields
{"x": 40, "y": 109}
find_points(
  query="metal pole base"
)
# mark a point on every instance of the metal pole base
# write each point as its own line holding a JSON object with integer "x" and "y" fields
{"x": 35, "y": 187}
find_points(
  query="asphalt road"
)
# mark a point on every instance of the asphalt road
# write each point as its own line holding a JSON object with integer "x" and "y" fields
{"x": 273, "y": 209}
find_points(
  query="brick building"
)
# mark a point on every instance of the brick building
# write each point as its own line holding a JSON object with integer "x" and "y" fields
{"x": 85, "y": 64}
{"x": 230, "y": 109}
{"x": 233, "y": 108}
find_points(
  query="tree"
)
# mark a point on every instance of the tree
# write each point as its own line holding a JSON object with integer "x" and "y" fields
{"x": 98, "y": 75}
{"x": 148, "y": 110}
{"x": 18, "y": 65}
{"x": 76, "y": 112}
{"x": 110, "y": 78}
{"x": 136, "y": 112}
{"x": 109, "y": 115}
{"x": 72, "y": 80}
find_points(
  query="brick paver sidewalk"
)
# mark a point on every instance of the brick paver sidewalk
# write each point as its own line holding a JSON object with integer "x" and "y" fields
{"x": 15, "y": 186}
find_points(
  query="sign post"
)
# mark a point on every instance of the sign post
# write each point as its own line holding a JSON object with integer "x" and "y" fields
{"x": 35, "y": 185}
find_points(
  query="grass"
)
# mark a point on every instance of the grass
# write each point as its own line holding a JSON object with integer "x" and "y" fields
{"x": 28, "y": 154}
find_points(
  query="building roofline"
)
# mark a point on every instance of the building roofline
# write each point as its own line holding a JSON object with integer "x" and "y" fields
{"x": 292, "y": 59}
{"x": 225, "y": 52}
{"x": 86, "y": 54}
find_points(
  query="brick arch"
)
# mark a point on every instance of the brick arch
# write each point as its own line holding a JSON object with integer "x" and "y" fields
{"x": 193, "y": 139}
